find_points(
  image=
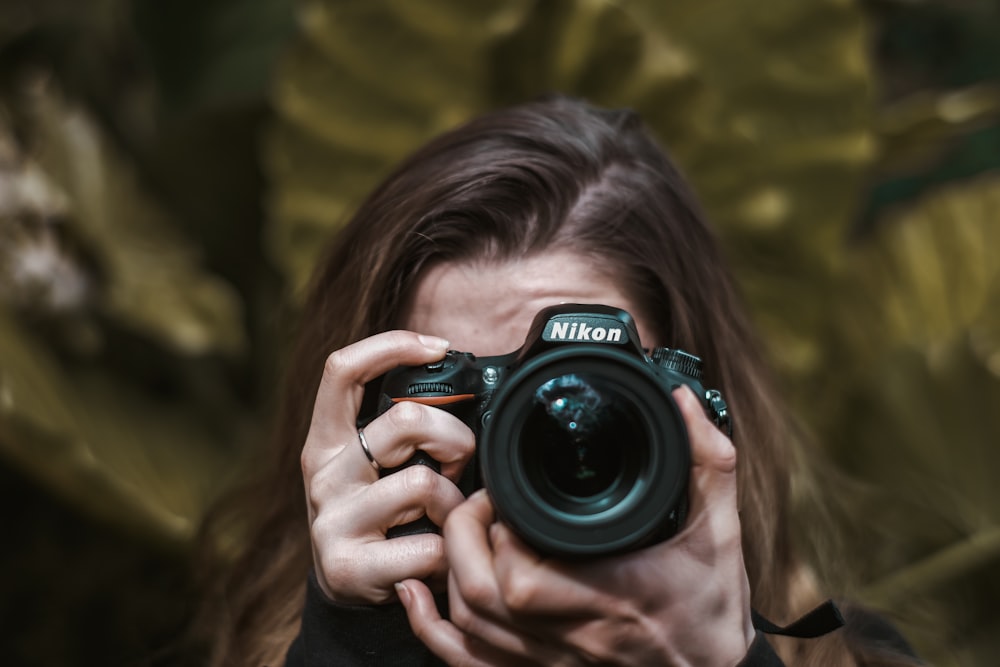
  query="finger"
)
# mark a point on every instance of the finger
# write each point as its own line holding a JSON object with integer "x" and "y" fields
{"x": 342, "y": 385}
{"x": 392, "y": 439}
{"x": 396, "y": 435}
{"x": 526, "y": 580}
{"x": 497, "y": 575}
{"x": 367, "y": 513}
{"x": 496, "y": 578}
{"x": 712, "y": 487}
{"x": 365, "y": 573}
{"x": 709, "y": 447}
{"x": 410, "y": 494}
{"x": 442, "y": 637}
{"x": 469, "y": 553}
{"x": 348, "y": 534}
{"x": 511, "y": 639}
{"x": 556, "y": 611}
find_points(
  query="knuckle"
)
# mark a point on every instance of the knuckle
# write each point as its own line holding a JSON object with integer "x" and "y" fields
{"x": 321, "y": 485}
{"x": 478, "y": 594}
{"x": 519, "y": 593}
{"x": 320, "y": 492}
{"x": 407, "y": 415}
{"x": 323, "y": 538}
{"x": 309, "y": 462}
{"x": 306, "y": 463}
{"x": 337, "y": 363}
{"x": 420, "y": 481}
{"x": 467, "y": 444}
{"x": 337, "y": 572}
{"x": 720, "y": 449}
{"x": 333, "y": 557}
{"x": 728, "y": 455}
{"x": 314, "y": 495}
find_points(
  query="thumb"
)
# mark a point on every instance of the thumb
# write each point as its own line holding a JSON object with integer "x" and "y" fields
{"x": 713, "y": 457}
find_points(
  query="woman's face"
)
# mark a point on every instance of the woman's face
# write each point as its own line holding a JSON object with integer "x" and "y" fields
{"x": 486, "y": 307}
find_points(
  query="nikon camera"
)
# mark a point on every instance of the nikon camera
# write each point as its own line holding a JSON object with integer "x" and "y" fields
{"x": 578, "y": 440}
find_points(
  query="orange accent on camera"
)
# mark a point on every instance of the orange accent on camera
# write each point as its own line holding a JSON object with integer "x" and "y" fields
{"x": 436, "y": 400}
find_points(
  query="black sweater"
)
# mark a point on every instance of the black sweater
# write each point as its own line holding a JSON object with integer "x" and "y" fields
{"x": 370, "y": 636}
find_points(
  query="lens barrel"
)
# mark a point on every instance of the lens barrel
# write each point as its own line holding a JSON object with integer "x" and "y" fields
{"x": 585, "y": 453}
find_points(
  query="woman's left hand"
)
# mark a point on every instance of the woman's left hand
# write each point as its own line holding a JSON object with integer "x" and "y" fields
{"x": 682, "y": 602}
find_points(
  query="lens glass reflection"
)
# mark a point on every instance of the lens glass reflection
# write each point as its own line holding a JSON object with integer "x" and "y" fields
{"x": 580, "y": 437}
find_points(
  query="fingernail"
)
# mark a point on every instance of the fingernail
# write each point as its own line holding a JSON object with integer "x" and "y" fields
{"x": 434, "y": 343}
{"x": 403, "y": 592}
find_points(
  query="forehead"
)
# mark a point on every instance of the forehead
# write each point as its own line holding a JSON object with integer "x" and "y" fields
{"x": 487, "y": 307}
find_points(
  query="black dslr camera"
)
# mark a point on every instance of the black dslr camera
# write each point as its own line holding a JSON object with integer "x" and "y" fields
{"x": 578, "y": 440}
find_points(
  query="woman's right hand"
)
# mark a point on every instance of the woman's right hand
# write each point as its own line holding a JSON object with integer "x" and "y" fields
{"x": 350, "y": 506}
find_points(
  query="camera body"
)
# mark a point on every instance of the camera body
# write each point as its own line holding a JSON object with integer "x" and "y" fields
{"x": 578, "y": 439}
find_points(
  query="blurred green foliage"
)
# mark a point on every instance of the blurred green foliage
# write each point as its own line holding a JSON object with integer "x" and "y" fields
{"x": 168, "y": 172}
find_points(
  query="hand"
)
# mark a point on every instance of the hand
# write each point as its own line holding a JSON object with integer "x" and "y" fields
{"x": 682, "y": 602}
{"x": 350, "y": 506}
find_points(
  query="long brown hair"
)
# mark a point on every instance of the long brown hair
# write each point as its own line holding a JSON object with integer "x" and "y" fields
{"x": 556, "y": 173}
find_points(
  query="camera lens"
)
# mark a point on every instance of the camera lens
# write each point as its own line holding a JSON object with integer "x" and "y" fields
{"x": 586, "y": 453}
{"x": 575, "y": 440}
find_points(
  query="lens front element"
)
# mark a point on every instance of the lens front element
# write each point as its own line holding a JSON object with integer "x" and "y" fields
{"x": 575, "y": 442}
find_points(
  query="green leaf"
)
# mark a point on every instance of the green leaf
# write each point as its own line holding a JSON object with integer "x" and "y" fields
{"x": 768, "y": 112}
{"x": 154, "y": 279}
{"x": 106, "y": 447}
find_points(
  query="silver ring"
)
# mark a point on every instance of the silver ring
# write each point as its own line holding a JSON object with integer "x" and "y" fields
{"x": 368, "y": 452}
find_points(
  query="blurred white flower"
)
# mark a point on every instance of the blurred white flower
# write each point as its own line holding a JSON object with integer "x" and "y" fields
{"x": 37, "y": 270}
{"x": 39, "y": 274}
{"x": 25, "y": 189}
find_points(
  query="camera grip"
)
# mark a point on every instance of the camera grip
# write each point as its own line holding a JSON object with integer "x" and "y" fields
{"x": 456, "y": 404}
{"x": 423, "y": 524}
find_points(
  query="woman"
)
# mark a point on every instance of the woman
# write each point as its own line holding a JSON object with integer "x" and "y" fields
{"x": 549, "y": 202}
